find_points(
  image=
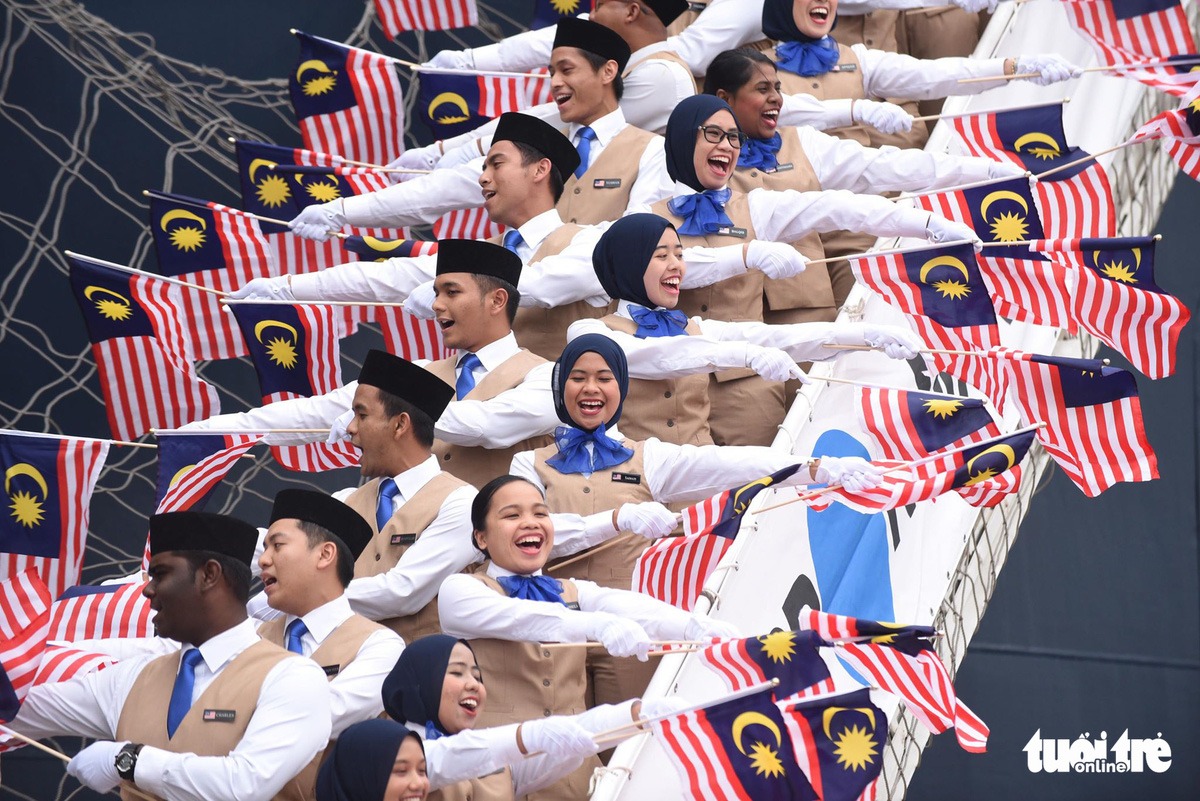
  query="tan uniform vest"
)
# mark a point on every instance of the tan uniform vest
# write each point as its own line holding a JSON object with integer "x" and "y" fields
{"x": 544, "y": 331}
{"x": 385, "y": 549}
{"x": 664, "y": 55}
{"x": 338, "y": 650}
{"x": 478, "y": 465}
{"x": 144, "y": 716}
{"x": 602, "y": 193}
{"x": 605, "y": 489}
{"x": 673, "y": 409}
{"x": 496, "y": 786}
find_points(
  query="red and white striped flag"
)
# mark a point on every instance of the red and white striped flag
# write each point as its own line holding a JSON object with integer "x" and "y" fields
{"x": 398, "y": 16}
{"x": 499, "y": 95}
{"x": 59, "y": 663}
{"x": 466, "y": 224}
{"x": 1179, "y": 131}
{"x": 101, "y": 612}
{"x": 24, "y": 622}
{"x": 1149, "y": 28}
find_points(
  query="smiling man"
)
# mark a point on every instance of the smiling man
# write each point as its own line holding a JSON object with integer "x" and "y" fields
{"x": 228, "y": 717}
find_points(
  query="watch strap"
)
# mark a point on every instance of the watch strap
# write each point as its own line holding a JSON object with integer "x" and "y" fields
{"x": 126, "y": 760}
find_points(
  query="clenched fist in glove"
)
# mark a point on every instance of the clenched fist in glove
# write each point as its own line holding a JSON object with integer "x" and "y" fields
{"x": 623, "y": 637}
{"x": 774, "y": 364}
{"x": 95, "y": 766}
{"x": 337, "y": 431}
{"x": 977, "y": 5}
{"x": 852, "y": 472}
{"x": 316, "y": 222}
{"x": 939, "y": 229}
{"x": 1050, "y": 68}
{"x": 419, "y": 302}
{"x": 775, "y": 259}
{"x": 886, "y": 118}
{"x": 417, "y": 158}
{"x": 648, "y": 519}
{"x": 893, "y": 340}
{"x": 276, "y": 288}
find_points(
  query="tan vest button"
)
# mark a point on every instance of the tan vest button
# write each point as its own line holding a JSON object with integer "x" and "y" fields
{"x": 667, "y": 394}
{"x": 546, "y": 712}
{"x": 870, "y": 41}
{"x": 448, "y": 455}
{"x": 574, "y": 220}
{"x": 754, "y": 173}
{"x": 586, "y": 490}
{"x": 376, "y": 557}
{"x": 670, "y": 424}
{"x": 578, "y": 190}
{"x": 545, "y": 682}
{"x": 546, "y": 654}
{"x": 703, "y": 307}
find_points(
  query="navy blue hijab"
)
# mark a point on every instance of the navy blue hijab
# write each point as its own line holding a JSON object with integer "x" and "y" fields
{"x": 704, "y": 212}
{"x": 573, "y": 456}
{"x": 620, "y": 260}
{"x": 413, "y": 690}
{"x": 360, "y": 763}
{"x": 797, "y": 52}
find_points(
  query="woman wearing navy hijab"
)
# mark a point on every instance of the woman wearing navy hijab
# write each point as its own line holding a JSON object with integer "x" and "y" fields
{"x": 375, "y": 760}
{"x": 702, "y": 148}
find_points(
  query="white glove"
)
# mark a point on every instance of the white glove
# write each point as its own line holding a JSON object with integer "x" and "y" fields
{"x": 623, "y": 637}
{"x": 416, "y": 158}
{"x": 886, "y": 118}
{"x": 774, "y": 364}
{"x": 897, "y": 342}
{"x": 337, "y": 431}
{"x": 95, "y": 766}
{"x": 558, "y": 735}
{"x": 664, "y": 707}
{"x": 315, "y": 222}
{"x": 419, "y": 302}
{"x": 452, "y": 60}
{"x": 852, "y": 472}
{"x": 939, "y": 229}
{"x": 775, "y": 259}
{"x": 703, "y": 628}
{"x": 276, "y": 288}
{"x": 976, "y": 5}
{"x": 648, "y": 519}
{"x": 1050, "y": 67}
{"x": 461, "y": 155}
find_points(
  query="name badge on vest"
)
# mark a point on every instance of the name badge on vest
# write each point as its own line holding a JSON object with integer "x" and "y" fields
{"x": 627, "y": 478}
{"x": 781, "y": 168}
{"x": 845, "y": 68}
{"x": 331, "y": 670}
{"x": 727, "y": 230}
{"x": 606, "y": 183}
{"x": 572, "y": 605}
{"x": 219, "y": 716}
{"x": 403, "y": 539}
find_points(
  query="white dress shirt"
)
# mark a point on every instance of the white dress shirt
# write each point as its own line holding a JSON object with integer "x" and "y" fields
{"x": 354, "y": 693}
{"x": 469, "y": 609}
{"x": 290, "y": 724}
{"x": 691, "y": 473}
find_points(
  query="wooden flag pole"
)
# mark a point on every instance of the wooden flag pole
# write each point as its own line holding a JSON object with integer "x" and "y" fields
{"x": 961, "y": 187}
{"x": 619, "y": 539}
{"x": 1089, "y": 157}
{"x": 864, "y": 385}
{"x": 348, "y": 162}
{"x": 421, "y": 68}
{"x": 244, "y": 301}
{"x": 160, "y": 432}
{"x": 251, "y": 215}
{"x": 892, "y": 252}
{"x": 136, "y": 271}
{"x": 351, "y": 162}
{"x": 959, "y": 114}
{"x": 60, "y": 755}
{"x": 590, "y": 644}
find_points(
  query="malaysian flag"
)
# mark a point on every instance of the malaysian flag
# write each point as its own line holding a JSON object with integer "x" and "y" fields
{"x": 1150, "y": 29}
{"x": 61, "y": 663}
{"x": 839, "y": 742}
{"x": 941, "y": 290}
{"x": 1023, "y": 285}
{"x": 347, "y": 101}
{"x": 1176, "y": 75}
{"x": 900, "y": 659}
{"x": 674, "y": 569}
{"x": 793, "y": 657}
{"x": 142, "y": 348}
{"x": 1180, "y": 131}
{"x": 456, "y": 104}
{"x": 466, "y": 224}
{"x": 1093, "y": 418}
{"x": 48, "y": 483}
{"x": 549, "y": 12}
{"x": 907, "y": 425}
{"x": 24, "y": 621}
{"x": 297, "y": 354}
{"x": 377, "y": 249}
{"x": 1117, "y": 299}
{"x": 738, "y": 749}
{"x": 214, "y": 246}
{"x": 98, "y": 613}
{"x": 1074, "y": 202}
{"x": 398, "y": 16}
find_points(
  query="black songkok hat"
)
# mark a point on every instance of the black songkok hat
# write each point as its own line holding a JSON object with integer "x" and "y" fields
{"x": 478, "y": 257}
{"x": 327, "y": 512}
{"x": 541, "y": 136}
{"x": 592, "y": 37}
{"x": 666, "y": 10}
{"x": 203, "y": 531}
{"x": 406, "y": 381}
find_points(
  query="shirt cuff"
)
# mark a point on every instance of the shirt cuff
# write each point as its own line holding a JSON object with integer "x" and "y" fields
{"x": 839, "y": 113}
{"x": 150, "y": 772}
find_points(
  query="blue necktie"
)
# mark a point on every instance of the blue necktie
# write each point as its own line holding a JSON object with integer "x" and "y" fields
{"x": 466, "y": 375}
{"x": 387, "y": 502}
{"x": 586, "y": 136}
{"x": 181, "y": 695}
{"x": 658, "y": 322}
{"x": 513, "y": 240}
{"x": 533, "y": 588}
{"x": 295, "y": 633}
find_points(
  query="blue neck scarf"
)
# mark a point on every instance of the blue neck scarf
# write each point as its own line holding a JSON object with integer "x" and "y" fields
{"x": 760, "y": 153}
{"x": 574, "y": 456}
{"x": 533, "y": 588}
{"x": 702, "y": 213}
{"x": 658, "y": 322}
{"x": 807, "y": 58}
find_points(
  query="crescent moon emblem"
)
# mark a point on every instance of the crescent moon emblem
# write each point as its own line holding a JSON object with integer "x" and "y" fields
{"x": 25, "y": 469}
{"x": 382, "y": 244}
{"x": 827, "y": 717}
{"x": 254, "y": 165}
{"x": 753, "y": 719}
{"x": 1045, "y": 139}
{"x": 1003, "y": 194}
{"x": 945, "y": 261}
{"x": 181, "y": 214}
{"x": 258, "y": 329}
{"x": 448, "y": 97}
{"x": 1009, "y": 455}
{"x": 92, "y": 290}
{"x": 183, "y": 471}
{"x": 311, "y": 64}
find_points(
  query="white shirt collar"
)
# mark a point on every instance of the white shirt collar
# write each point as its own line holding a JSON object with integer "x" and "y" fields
{"x": 605, "y": 128}
{"x": 322, "y": 621}
{"x": 497, "y": 572}
{"x": 683, "y": 190}
{"x": 411, "y": 480}
{"x": 536, "y": 229}
{"x": 218, "y": 650}
{"x": 623, "y": 310}
{"x": 493, "y": 354}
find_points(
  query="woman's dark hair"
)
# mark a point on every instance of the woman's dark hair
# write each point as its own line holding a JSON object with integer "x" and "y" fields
{"x": 483, "y": 502}
{"x": 732, "y": 69}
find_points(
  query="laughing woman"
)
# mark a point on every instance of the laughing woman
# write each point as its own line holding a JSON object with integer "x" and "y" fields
{"x": 702, "y": 149}
{"x": 375, "y": 760}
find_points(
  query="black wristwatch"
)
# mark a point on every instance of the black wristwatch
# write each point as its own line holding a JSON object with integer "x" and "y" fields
{"x": 126, "y": 760}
